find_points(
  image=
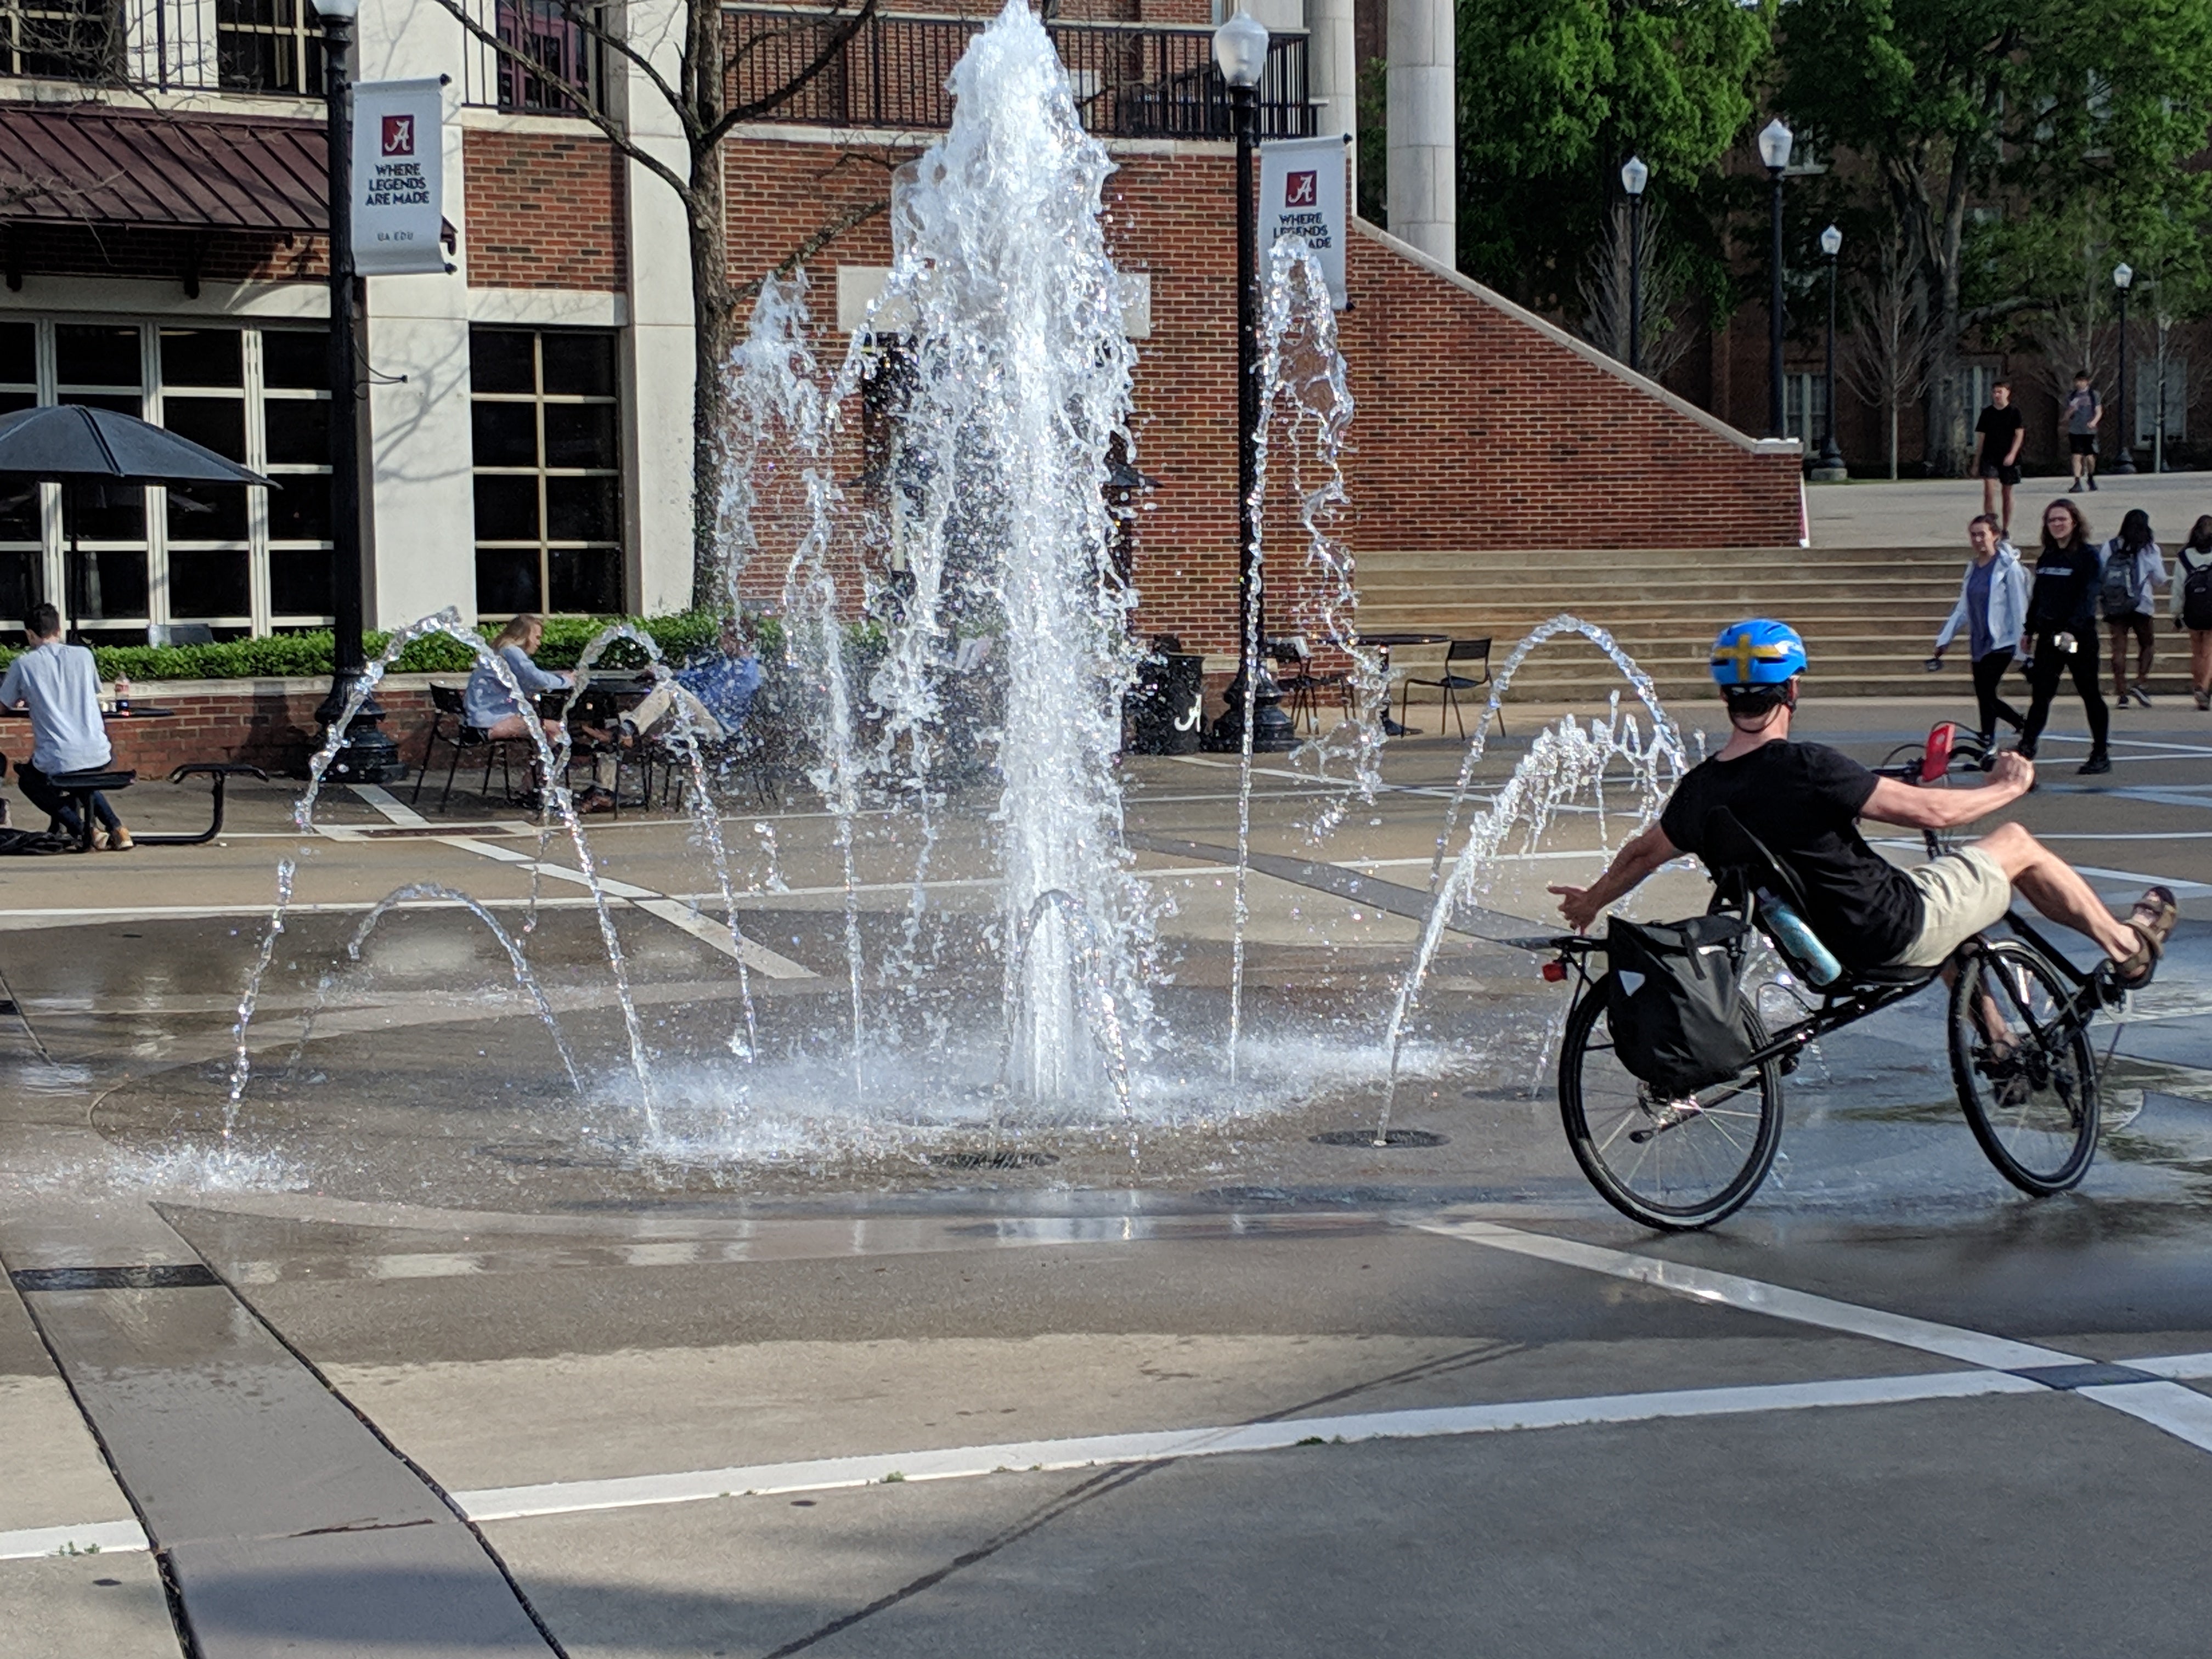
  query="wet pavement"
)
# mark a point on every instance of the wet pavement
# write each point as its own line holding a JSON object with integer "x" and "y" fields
{"x": 435, "y": 1352}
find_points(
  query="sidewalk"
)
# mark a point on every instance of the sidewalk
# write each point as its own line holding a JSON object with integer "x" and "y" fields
{"x": 1933, "y": 512}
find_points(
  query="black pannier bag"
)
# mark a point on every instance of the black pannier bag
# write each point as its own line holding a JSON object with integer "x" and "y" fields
{"x": 1671, "y": 1000}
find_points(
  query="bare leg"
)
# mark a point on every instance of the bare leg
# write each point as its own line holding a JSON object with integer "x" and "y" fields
{"x": 2051, "y": 884}
{"x": 2007, "y": 490}
{"x": 1990, "y": 497}
{"x": 2119, "y": 633}
{"x": 2200, "y": 657}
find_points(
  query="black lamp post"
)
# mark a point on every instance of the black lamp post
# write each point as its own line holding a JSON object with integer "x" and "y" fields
{"x": 1774, "y": 142}
{"x": 369, "y": 756}
{"x": 2123, "y": 278}
{"x": 1634, "y": 175}
{"x": 1240, "y": 50}
{"x": 1830, "y": 469}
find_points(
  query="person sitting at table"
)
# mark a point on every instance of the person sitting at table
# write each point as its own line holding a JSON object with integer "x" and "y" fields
{"x": 714, "y": 689}
{"x": 489, "y": 705}
{"x": 60, "y": 687}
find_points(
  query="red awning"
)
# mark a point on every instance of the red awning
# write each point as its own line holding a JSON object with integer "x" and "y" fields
{"x": 96, "y": 164}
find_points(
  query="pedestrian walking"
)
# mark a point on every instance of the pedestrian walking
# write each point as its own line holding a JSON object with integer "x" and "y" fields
{"x": 2062, "y": 628}
{"x": 2192, "y": 605}
{"x": 2133, "y": 566}
{"x": 1992, "y": 608}
{"x": 2001, "y": 430}
{"x": 2084, "y": 410}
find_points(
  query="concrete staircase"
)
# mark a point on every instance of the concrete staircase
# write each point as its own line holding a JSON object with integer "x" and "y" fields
{"x": 1868, "y": 616}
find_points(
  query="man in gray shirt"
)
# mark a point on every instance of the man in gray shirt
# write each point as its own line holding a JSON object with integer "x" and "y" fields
{"x": 2084, "y": 410}
{"x": 60, "y": 686}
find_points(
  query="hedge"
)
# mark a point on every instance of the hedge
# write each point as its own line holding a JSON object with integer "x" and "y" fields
{"x": 308, "y": 655}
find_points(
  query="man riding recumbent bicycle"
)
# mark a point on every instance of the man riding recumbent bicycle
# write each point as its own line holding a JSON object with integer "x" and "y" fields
{"x": 1670, "y": 1083}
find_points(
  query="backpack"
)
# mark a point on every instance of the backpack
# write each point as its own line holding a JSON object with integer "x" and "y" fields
{"x": 1674, "y": 1002}
{"x": 2116, "y": 596}
{"x": 2197, "y": 595}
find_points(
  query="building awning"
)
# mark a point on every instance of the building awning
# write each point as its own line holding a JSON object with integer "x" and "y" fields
{"x": 95, "y": 164}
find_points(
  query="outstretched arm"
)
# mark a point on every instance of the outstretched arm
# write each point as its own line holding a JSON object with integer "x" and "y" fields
{"x": 1644, "y": 853}
{"x": 1912, "y": 807}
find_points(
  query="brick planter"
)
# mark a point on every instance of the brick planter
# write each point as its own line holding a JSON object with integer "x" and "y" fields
{"x": 268, "y": 723}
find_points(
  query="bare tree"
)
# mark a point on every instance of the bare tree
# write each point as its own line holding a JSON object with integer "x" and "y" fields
{"x": 1605, "y": 288}
{"x": 1891, "y": 346}
{"x": 718, "y": 84}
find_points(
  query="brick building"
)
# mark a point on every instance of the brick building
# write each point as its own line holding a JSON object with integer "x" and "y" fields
{"x": 527, "y": 419}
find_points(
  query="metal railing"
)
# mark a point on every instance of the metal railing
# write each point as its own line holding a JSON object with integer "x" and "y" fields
{"x": 1131, "y": 80}
{"x": 558, "y": 36}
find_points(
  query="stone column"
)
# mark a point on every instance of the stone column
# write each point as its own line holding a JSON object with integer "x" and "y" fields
{"x": 1332, "y": 79}
{"x": 1422, "y": 129}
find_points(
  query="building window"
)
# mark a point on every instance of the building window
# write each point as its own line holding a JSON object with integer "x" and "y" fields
{"x": 1805, "y": 408}
{"x": 64, "y": 39}
{"x": 270, "y": 46}
{"x": 2147, "y": 371}
{"x": 118, "y": 558}
{"x": 548, "y": 470}
{"x": 557, "y": 36}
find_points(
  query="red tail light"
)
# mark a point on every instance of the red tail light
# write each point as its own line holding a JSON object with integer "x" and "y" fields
{"x": 1555, "y": 971}
{"x": 1937, "y": 760}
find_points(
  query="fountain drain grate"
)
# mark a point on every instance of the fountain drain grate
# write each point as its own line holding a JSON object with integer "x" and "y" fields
{"x": 1366, "y": 1138}
{"x": 982, "y": 1160}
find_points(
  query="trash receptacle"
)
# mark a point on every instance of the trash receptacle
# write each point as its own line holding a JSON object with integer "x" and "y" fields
{"x": 1167, "y": 705}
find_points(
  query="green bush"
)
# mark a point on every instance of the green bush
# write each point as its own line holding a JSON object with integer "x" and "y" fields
{"x": 306, "y": 655}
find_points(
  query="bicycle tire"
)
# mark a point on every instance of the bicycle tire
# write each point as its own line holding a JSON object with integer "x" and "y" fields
{"x": 2043, "y": 1137}
{"x": 1742, "y": 1152}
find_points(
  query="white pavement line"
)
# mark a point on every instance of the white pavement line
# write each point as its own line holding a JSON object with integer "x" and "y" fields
{"x": 2182, "y": 1413}
{"x": 567, "y": 1498}
{"x": 389, "y": 804}
{"x": 2172, "y": 1364}
{"x": 2133, "y": 877}
{"x": 1754, "y": 1296}
{"x": 757, "y": 957}
{"x": 101, "y": 1538}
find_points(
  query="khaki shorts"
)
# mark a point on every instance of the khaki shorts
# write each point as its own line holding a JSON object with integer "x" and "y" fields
{"x": 1961, "y": 894}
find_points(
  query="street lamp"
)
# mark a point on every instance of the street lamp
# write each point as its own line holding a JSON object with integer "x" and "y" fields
{"x": 1240, "y": 50}
{"x": 1774, "y": 142}
{"x": 369, "y": 756}
{"x": 1634, "y": 175}
{"x": 1831, "y": 469}
{"x": 2123, "y": 278}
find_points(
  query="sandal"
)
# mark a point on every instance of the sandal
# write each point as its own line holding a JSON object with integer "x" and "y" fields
{"x": 2152, "y": 922}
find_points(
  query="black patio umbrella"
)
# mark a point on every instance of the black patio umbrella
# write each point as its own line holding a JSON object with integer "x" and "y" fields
{"x": 72, "y": 442}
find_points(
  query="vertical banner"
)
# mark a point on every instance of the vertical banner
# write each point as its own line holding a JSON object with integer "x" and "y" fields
{"x": 398, "y": 177}
{"x": 1302, "y": 194}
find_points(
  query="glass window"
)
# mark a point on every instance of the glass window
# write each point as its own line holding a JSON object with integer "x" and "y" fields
{"x": 293, "y": 360}
{"x": 91, "y": 355}
{"x": 548, "y": 459}
{"x": 269, "y": 45}
{"x": 66, "y": 39}
{"x": 202, "y": 356}
{"x": 19, "y": 355}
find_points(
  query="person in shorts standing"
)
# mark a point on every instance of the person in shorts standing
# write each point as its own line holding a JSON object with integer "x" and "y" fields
{"x": 2084, "y": 410}
{"x": 2061, "y": 625}
{"x": 2192, "y": 608}
{"x": 2133, "y": 565}
{"x": 2001, "y": 430}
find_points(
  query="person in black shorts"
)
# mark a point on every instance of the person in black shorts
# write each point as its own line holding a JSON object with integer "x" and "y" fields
{"x": 2084, "y": 410}
{"x": 1803, "y": 801}
{"x": 2001, "y": 430}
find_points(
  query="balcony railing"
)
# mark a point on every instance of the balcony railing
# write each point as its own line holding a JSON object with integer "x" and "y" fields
{"x": 1131, "y": 80}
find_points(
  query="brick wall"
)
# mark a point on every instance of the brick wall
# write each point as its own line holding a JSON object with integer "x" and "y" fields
{"x": 544, "y": 211}
{"x": 163, "y": 255}
{"x": 266, "y": 723}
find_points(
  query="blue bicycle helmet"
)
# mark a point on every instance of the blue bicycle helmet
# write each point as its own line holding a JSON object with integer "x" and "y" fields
{"x": 1757, "y": 651}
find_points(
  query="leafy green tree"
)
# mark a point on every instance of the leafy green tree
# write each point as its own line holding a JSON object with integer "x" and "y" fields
{"x": 1555, "y": 95}
{"x": 1978, "y": 119}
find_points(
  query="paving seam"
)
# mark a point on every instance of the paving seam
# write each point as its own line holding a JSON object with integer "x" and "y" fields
{"x": 209, "y": 1553}
{"x": 2179, "y": 1412}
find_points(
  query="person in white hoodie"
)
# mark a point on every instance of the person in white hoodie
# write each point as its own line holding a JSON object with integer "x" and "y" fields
{"x": 2132, "y": 565}
{"x": 1992, "y": 608}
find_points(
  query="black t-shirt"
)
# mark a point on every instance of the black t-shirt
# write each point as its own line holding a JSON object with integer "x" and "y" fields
{"x": 2065, "y": 597}
{"x": 1997, "y": 427}
{"x": 1802, "y": 800}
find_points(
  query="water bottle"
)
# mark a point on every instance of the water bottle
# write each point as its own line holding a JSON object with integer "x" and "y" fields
{"x": 1799, "y": 943}
{"x": 122, "y": 694}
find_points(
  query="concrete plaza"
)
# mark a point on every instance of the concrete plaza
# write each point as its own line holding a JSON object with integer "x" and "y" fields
{"x": 430, "y": 1360}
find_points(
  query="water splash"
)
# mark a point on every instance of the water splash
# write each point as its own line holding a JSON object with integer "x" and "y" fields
{"x": 1093, "y": 986}
{"x": 766, "y": 384}
{"x": 241, "y": 1066}
{"x": 554, "y": 771}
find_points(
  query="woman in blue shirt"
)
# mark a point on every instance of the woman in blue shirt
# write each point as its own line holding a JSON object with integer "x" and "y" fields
{"x": 1992, "y": 607}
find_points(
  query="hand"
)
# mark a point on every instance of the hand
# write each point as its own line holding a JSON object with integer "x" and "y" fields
{"x": 2013, "y": 770}
{"x": 1576, "y": 905}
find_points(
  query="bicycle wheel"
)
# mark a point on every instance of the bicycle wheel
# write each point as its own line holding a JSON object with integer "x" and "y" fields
{"x": 1668, "y": 1164}
{"x": 2025, "y": 1073}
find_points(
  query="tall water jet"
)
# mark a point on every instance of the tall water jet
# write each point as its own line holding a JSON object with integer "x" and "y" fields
{"x": 1016, "y": 403}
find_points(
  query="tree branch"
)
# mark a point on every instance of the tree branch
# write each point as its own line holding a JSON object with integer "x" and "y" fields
{"x": 814, "y": 245}
{"x": 791, "y": 89}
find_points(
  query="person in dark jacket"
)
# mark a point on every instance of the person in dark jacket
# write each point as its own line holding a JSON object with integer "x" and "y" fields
{"x": 2062, "y": 628}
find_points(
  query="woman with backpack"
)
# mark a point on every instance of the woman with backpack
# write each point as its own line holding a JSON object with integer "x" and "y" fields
{"x": 1992, "y": 609}
{"x": 2062, "y": 627}
{"x": 2132, "y": 566}
{"x": 2192, "y": 605}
